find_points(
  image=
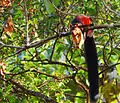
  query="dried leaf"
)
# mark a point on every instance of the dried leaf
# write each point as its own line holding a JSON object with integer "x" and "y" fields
{"x": 6, "y": 3}
{"x": 9, "y": 26}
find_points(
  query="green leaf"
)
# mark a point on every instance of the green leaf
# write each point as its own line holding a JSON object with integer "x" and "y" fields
{"x": 49, "y": 7}
{"x": 116, "y": 51}
{"x": 56, "y": 2}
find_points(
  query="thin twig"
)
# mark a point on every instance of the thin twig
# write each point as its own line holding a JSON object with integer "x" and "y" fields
{"x": 26, "y": 19}
{"x": 49, "y": 75}
{"x": 47, "y": 62}
{"x": 109, "y": 67}
{"x": 10, "y": 46}
{"x": 53, "y": 49}
{"x": 118, "y": 14}
{"x": 66, "y": 13}
{"x": 104, "y": 53}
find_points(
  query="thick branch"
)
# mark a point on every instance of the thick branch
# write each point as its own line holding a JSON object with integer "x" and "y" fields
{"x": 104, "y": 26}
{"x": 63, "y": 34}
{"x": 30, "y": 92}
{"x": 34, "y": 93}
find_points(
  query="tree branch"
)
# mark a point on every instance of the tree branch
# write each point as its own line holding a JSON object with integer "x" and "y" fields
{"x": 109, "y": 67}
{"x": 81, "y": 85}
{"x": 30, "y": 92}
{"x": 118, "y": 14}
{"x": 49, "y": 75}
{"x": 47, "y": 62}
{"x": 26, "y": 19}
{"x": 63, "y": 34}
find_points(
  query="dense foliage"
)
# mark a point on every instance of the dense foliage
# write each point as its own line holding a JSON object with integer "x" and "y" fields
{"x": 38, "y": 61}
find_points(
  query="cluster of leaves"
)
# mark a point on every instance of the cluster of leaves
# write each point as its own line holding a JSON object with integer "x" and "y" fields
{"x": 43, "y": 66}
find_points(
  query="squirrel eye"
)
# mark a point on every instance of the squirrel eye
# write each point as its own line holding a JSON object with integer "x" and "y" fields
{"x": 91, "y": 24}
{"x": 70, "y": 25}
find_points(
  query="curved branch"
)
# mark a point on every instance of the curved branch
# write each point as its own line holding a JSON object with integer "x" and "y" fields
{"x": 81, "y": 85}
